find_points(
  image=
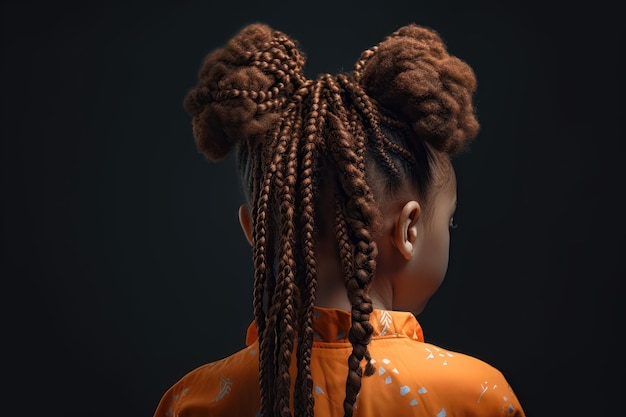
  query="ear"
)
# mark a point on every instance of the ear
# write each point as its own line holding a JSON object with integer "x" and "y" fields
{"x": 245, "y": 219}
{"x": 405, "y": 229}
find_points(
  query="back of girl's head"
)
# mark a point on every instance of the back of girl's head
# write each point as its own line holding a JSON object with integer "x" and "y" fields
{"x": 352, "y": 137}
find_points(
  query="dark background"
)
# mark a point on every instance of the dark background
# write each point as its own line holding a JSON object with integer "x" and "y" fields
{"x": 122, "y": 262}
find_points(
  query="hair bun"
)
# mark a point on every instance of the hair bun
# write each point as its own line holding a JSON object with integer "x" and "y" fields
{"x": 411, "y": 74}
{"x": 242, "y": 88}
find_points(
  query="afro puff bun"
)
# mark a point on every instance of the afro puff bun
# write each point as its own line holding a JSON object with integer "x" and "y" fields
{"x": 411, "y": 75}
{"x": 242, "y": 88}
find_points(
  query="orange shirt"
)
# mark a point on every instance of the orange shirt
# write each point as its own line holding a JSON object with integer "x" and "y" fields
{"x": 412, "y": 378}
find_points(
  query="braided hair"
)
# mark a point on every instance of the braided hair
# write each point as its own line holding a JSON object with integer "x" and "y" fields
{"x": 405, "y": 101}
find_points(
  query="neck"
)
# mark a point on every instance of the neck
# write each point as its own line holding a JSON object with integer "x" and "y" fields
{"x": 331, "y": 290}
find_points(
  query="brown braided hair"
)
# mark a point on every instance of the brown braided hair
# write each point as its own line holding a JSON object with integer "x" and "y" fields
{"x": 405, "y": 103}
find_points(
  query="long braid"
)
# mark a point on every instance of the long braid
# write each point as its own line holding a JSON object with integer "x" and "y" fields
{"x": 358, "y": 131}
{"x": 286, "y": 291}
{"x": 264, "y": 281}
{"x": 347, "y": 149}
{"x": 312, "y": 138}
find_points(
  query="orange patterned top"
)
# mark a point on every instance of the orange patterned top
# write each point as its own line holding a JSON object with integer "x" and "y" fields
{"x": 412, "y": 378}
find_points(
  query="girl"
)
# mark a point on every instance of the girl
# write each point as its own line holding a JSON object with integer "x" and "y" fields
{"x": 350, "y": 196}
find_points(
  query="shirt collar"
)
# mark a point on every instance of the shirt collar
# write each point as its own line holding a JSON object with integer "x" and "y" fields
{"x": 331, "y": 325}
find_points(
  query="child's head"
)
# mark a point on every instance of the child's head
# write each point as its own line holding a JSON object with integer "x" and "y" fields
{"x": 348, "y": 178}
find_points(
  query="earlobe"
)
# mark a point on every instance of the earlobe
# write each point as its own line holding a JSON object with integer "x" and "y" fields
{"x": 245, "y": 219}
{"x": 405, "y": 229}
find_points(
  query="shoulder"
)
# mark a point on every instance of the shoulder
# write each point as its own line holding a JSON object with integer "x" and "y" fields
{"x": 465, "y": 383}
{"x": 443, "y": 381}
{"x": 227, "y": 386}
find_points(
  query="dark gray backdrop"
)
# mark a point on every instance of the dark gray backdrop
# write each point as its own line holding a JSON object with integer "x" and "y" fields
{"x": 122, "y": 262}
